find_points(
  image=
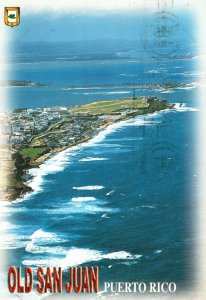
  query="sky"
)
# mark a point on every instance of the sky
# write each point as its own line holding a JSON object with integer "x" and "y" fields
{"x": 79, "y": 26}
{"x": 76, "y": 27}
{"x": 80, "y": 20}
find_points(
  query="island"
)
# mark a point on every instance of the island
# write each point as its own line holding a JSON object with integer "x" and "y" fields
{"x": 36, "y": 134}
{"x": 21, "y": 83}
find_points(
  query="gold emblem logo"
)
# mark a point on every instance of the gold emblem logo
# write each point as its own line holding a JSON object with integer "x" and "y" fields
{"x": 12, "y": 16}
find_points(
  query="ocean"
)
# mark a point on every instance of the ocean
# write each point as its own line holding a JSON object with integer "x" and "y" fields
{"x": 123, "y": 200}
{"x": 106, "y": 79}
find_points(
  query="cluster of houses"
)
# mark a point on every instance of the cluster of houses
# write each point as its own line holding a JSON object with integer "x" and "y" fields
{"x": 34, "y": 127}
{"x": 25, "y": 124}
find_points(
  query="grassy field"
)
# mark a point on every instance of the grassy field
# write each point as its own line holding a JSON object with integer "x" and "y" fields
{"x": 109, "y": 107}
{"x": 32, "y": 152}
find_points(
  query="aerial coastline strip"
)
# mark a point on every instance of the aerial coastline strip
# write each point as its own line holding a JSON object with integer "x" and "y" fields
{"x": 38, "y": 134}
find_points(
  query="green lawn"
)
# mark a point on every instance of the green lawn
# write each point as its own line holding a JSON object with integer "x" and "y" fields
{"x": 109, "y": 107}
{"x": 32, "y": 152}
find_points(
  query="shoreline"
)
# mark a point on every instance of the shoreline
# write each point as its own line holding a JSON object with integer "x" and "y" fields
{"x": 40, "y": 160}
{"x": 23, "y": 165}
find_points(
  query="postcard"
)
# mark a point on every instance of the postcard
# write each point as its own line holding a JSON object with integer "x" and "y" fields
{"x": 102, "y": 149}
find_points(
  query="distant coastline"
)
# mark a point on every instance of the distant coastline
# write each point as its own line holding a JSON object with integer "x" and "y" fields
{"x": 168, "y": 85}
{"x": 160, "y": 86}
{"x": 21, "y": 83}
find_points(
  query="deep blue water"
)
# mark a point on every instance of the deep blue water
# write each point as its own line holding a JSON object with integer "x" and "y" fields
{"x": 82, "y": 74}
{"x": 121, "y": 201}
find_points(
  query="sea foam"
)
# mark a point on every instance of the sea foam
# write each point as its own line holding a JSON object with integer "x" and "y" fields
{"x": 181, "y": 107}
{"x": 32, "y": 248}
{"x": 40, "y": 240}
{"x": 93, "y": 159}
{"x": 13, "y": 241}
{"x": 88, "y": 187}
{"x": 42, "y": 236}
{"x": 79, "y": 256}
{"x": 83, "y": 199}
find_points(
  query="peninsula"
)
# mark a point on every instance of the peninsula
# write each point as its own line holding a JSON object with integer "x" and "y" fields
{"x": 36, "y": 134}
{"x": 21, "y": 83}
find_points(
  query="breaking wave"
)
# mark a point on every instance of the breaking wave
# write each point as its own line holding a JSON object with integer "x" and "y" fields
{"x": 93, "y": 159}
{"x": 40, "y": 241}
{"x": 83, "y": 199}
{"x": 183, "y": 108}
{"x": 42, "y": 236}
{"x": 79, "y": 256}
{"x": 88, "y": 187}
